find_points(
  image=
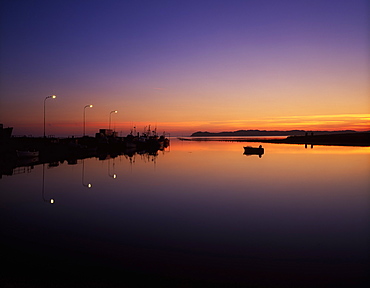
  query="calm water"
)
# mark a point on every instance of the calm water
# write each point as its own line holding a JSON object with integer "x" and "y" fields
{"x": 199, "y": 212}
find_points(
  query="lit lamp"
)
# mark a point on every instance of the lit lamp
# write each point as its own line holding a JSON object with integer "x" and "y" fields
{"x": 110, "y": 116}
{"x": 90, "y": 106}
{"x": 53, "y": 97}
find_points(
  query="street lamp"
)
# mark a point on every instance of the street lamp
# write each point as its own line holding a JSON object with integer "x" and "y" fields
{"x": 90, "y": 106}
{"x": 53, "y": 97}
{"x": 110, "y": 116}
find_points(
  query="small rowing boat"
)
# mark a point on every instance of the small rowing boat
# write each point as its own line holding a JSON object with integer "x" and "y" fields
{"x": 248, "y": 150}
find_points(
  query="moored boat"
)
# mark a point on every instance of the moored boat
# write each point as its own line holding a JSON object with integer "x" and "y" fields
{"x": 248, "y": 150}
{"x": 27, "y": 153}
{"x": 5, "y": 133}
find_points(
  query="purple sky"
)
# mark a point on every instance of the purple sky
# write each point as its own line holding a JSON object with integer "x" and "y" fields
{"x": 185, "y": 65}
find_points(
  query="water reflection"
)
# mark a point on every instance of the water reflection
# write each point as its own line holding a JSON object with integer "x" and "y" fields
{"x": 88, "y": 185}
{"x": 111, "y": 174}
{"x": 26, "y": 165}
{"x": 204, "y": 212}
{"x": 48, "y": 200}
{"x": 249, "y": 151}
{"x": 305, "y": 146}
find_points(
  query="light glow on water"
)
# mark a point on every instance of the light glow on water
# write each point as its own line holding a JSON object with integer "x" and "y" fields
{"x": 200, "y": 201}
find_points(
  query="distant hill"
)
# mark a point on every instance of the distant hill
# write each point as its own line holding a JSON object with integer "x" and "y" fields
{"x": 267, "y": 133}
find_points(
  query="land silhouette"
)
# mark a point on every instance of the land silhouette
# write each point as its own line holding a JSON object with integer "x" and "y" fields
{"x": 267, "y": 133}
{"x": 340, "y": 138}
{"x": 29, "y": 151}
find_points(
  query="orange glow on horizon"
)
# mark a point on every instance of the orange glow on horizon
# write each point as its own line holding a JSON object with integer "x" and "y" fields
{"x": 357, "y": 122}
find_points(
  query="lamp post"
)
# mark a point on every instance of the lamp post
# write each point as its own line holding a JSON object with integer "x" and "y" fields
{"x": 110, "y": 116}
{"x": 90, "y": 106}
{"x": 53, "y": 97}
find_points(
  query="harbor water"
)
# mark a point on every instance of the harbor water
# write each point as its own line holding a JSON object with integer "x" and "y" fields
{"x": 196, "y": 213}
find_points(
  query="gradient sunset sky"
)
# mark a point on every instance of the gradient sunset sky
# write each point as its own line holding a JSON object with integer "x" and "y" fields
{"x": 184, "y": 66}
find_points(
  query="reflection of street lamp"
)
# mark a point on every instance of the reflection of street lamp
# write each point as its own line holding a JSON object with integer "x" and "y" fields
{"x": 51, "y": 96}
{"x": 84, "y": 116}
{"x": 110, "y": 116}
{"x": 88, "y": 185}
{"x": 114, "y": 175}
{"x": 43, "y": 186}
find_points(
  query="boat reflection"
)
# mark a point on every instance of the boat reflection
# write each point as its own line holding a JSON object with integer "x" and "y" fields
{"x": 248, "y": 151}
{"x": 12, "y": 165}
{"x": 27, "y": 161}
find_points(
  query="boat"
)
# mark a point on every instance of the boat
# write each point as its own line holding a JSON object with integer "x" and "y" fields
{"x": 27, "y": 153}
{"x": 5, "y": 133}
{"x": 248, "y": 150}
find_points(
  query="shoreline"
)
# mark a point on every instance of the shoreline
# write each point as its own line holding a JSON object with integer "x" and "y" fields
{"x": 346, "y": 139}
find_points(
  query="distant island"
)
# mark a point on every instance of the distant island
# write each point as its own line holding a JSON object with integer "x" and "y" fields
{"x": 240, "y": 133}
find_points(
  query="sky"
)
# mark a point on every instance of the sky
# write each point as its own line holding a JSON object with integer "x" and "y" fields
{"x": 184, "y": 66}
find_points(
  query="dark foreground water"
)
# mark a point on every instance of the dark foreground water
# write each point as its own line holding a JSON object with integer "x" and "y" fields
{"x": 199, "y": 214}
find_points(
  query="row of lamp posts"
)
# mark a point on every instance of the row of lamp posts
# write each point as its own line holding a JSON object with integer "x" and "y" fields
{"x": 84, "y": 121}
{"x": 84, "y": 124}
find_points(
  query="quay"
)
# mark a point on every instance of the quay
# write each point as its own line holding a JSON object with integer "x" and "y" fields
{"x": 23, "y": 151}
{"x": 345, "y": 139}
